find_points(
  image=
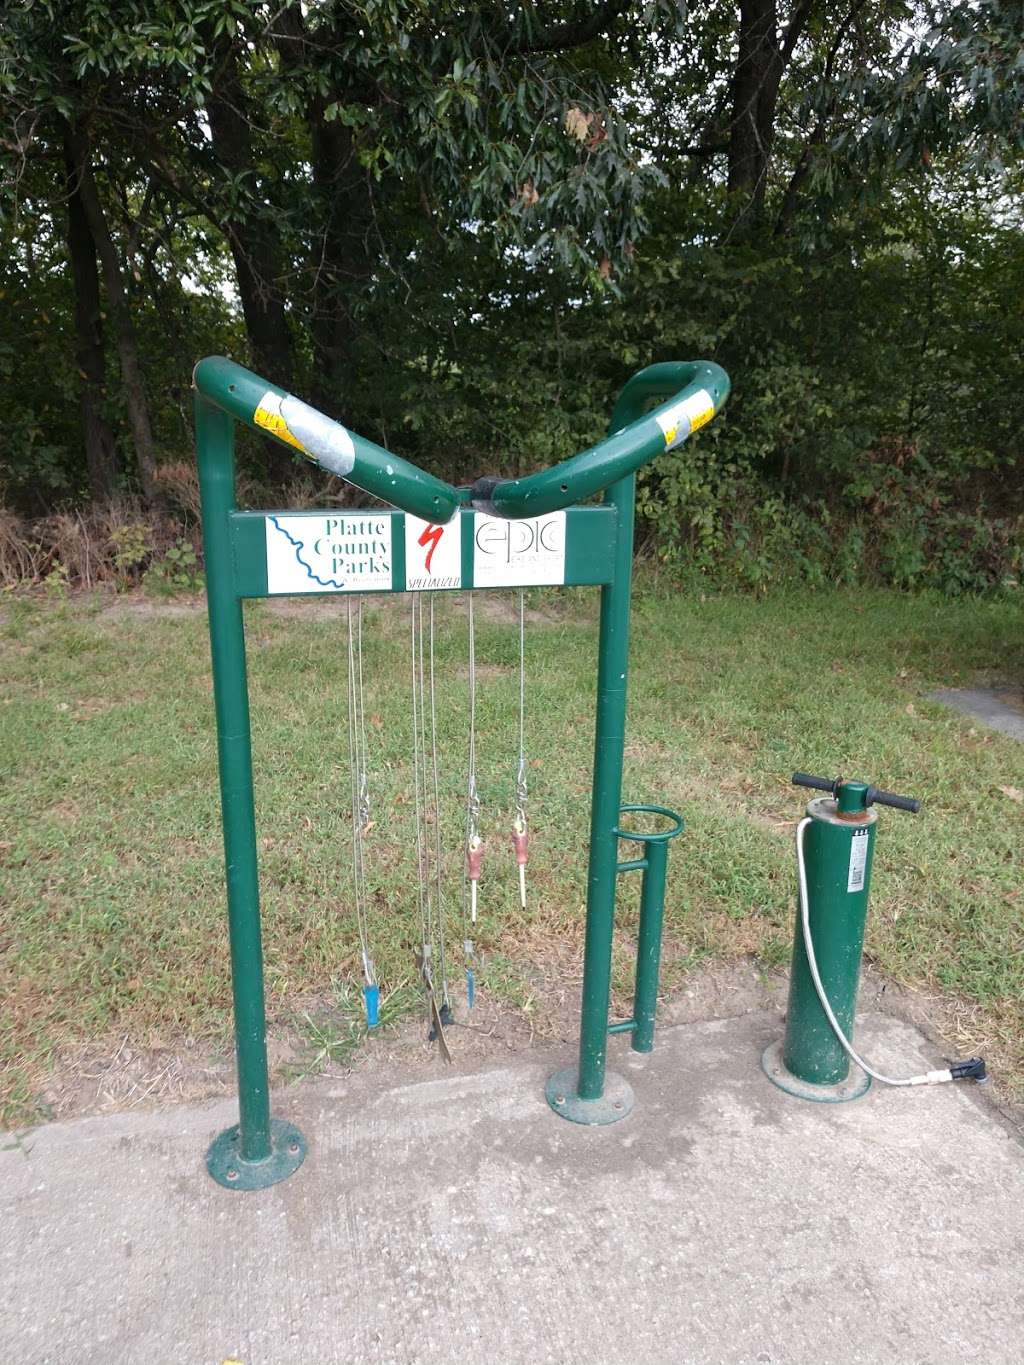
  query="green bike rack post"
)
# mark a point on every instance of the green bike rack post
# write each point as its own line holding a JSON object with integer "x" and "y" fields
{"x": 594, "y": 546}
{"x": 654, "y": 865}
{"x": 615, "y": 1101}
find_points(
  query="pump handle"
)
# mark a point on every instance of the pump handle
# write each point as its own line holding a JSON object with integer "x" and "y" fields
{"x": 891, "y": 799}
{"x": 822, "y": 784}
{"x": 873, "y": 794}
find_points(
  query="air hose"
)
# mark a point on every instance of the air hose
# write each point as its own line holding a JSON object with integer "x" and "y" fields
{"x": 972, "y": 1069}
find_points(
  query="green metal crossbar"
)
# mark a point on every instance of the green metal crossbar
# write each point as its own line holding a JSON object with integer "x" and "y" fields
{"x": 498, "y": 533}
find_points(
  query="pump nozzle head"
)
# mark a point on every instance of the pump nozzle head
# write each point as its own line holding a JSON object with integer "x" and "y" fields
{"x": 971, "y": 1070}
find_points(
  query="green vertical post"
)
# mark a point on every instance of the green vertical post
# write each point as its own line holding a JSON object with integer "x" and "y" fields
{"x": 648, "y": 946}
{"x": 609, "y": 745}
{"x": 585, "y": 1094}
{"x": 257, "y": 1151}
{"x": 579, "y": 1094}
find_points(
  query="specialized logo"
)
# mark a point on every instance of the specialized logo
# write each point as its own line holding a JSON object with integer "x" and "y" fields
{"x": 433, "y": 555}
{"x": 431, "y": 535}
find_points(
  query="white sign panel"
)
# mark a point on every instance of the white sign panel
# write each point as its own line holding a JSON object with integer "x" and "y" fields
{"x": 433, "y": 554}
{"x": 336, "y": 552}
{"x": 518, "y": 553}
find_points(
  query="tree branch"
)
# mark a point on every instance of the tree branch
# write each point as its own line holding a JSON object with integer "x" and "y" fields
{"x": 803, "y": 166}
{"x": 794, "y": 29}
{"x": 571, "y": 32}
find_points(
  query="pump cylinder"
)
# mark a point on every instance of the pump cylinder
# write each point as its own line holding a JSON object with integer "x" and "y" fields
{"x": 838, "y": 851}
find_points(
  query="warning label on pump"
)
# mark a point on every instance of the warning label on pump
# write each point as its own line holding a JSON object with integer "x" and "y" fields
{"x": 858, "y": 861}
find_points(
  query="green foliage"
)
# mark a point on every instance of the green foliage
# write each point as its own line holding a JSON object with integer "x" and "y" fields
{"x": 957, "y": 85}
{"x": 132, "y": 545}
{"x": 523, "y": 207}
{"x": 177, "y": 571}
{"x": 56, "y": 580}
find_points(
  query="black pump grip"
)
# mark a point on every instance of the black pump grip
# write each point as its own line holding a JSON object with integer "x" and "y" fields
{"x": 823, "y": 784}
{"x": 875, "y": 794}
{"x": 871, "y": 796}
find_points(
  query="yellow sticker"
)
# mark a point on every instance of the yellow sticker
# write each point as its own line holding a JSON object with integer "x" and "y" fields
{"x": 268, "y": 416}
{"x": 685, "y": 417}
{"x": 701, "y": 419}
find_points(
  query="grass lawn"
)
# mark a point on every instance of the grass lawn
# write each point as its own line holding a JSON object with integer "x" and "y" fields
{"x": 112, "y": 923}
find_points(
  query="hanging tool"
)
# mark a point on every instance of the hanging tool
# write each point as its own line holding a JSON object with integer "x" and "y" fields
{"x": 425, "y": 782}
{"x": 436, "y": 1022}
{"x": 362, "y": 823}
{"x": 445, "y": 1016}
{"x": 520, "y": 831}
{"x": 474, "y": 843}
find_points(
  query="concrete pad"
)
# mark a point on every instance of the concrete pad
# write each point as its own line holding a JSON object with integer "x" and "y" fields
{"x": 999, "y": 710}
{"x": 459, "y": 1219}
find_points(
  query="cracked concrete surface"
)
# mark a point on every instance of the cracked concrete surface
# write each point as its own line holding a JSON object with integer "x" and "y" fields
{"x": 723, "y": 1221}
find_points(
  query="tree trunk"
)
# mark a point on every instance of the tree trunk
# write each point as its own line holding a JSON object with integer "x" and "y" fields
{"x": 802, "y": 170}
{"x": 253, "y": 239}
{"x": 345, "y": 257}
{"x": 100, "y": 451}
{"x": 124, "y": 328}
{"x": 755, "y": 90}
{"x": 343, "y": 252}
{"x": 760, "y": 62}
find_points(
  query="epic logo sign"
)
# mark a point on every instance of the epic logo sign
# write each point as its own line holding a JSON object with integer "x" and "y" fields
{"x": 518, "y": 553}
{"x": 336, "y": 553}
{"x": 433, "y": 554}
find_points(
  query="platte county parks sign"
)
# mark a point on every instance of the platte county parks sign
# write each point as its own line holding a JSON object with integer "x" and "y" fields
{"x": 353, "y": 552}
{"x": 341, "y": 553}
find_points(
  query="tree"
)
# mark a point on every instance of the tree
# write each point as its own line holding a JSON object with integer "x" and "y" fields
{"x": 100, "y": 450}
{"x": 52, "y": 116}
{"x": 461, "y": 227}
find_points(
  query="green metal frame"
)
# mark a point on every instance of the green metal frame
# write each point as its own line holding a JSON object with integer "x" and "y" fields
{"x": 259, "y": 1151}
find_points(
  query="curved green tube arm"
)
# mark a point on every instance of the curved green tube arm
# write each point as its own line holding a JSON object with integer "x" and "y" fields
{"x": 698, "y": 390}
{"x": 265, "y": 407}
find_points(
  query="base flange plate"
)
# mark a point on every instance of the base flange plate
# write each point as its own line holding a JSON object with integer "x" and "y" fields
{"x": 614, "y": 1104}
{"x": 857, "y": 1083}
{"x": 287, "y": 1153}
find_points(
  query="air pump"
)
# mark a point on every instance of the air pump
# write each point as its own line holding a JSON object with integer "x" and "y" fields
{"x": 835, "y": 844}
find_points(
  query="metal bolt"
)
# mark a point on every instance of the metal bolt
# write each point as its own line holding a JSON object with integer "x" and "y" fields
{"x": 559, "y": 1099}
{"x": 232, "y": 1173}
{"x": 616, "y": 1104}
{"x": 293, "y": 1147}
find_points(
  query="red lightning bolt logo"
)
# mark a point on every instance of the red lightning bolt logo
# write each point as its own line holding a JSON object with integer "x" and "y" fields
{"x": 431, "y": 536}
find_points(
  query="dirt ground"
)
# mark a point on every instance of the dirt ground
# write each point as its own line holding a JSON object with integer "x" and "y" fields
{"x": 86, "y": 1083}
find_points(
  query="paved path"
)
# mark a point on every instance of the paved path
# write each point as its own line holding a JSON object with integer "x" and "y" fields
{"x": 459, "y": 1220}
{"x": 999, "y": 710}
